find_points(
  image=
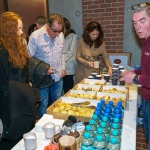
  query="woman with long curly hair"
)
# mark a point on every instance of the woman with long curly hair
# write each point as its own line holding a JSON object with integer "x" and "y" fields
{"x": 13, "y": 71}
{"x": 89, "y": 48}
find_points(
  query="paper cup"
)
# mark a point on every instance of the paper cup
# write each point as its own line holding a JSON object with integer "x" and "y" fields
{"x": 94, "y": 74}
{"x": 98, "y": 76}
{"x": 96, "y": 64}
{"x": 90, "y": 77}
{"x": 30, "y": 141}
{"x": 107, "y": 77}
{"x": 115, "y": 65}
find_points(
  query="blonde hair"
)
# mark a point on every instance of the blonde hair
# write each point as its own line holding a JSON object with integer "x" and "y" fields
{"x": 10, "y": 39}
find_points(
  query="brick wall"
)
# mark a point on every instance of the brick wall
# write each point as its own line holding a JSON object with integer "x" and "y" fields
{"x": 141, "y": 143}
{"x": 110, "y": 14}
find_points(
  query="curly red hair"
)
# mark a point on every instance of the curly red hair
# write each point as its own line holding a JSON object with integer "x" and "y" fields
{"x": 10, "y": 39}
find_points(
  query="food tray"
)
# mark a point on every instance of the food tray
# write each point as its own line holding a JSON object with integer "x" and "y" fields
{"x": 87, "y": 87}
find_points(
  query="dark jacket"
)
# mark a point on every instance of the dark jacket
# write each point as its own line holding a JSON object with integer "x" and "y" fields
{"x": 17, "y": 109}
{"x": 38, "y": 73}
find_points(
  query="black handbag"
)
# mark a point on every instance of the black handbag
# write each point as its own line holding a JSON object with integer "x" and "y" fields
{"x": 21, "y": 110}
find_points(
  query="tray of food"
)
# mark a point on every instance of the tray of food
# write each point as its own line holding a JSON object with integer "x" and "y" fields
{"x": 81, "y": 94}
{"x": 82, "y": 109}
{"x": 87, "y": 87}
{"x": 93, "y": 82}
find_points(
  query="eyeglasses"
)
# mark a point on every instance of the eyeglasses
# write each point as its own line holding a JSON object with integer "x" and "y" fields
{"x": 141, "y": 5}
{"x": 55, "y": 31}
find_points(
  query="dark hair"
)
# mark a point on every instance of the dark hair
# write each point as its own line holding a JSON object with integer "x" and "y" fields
{"x": 90, "y": 27}
{"x": 31, "y": 29}
{"x": 41, "y": 20}
{"x": 67, "y": 27}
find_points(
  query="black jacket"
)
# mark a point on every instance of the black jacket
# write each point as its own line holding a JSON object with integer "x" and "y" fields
{"x": 37, "y": 73}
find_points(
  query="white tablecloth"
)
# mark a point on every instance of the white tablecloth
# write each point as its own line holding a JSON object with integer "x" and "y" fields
{"x": 128, "y": 131}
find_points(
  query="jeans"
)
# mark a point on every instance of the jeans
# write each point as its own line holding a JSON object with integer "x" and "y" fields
{"x": 49, "y": 95}
{"x": 146, "y": 119}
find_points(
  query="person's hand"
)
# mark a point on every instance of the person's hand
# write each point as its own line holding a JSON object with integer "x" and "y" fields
{"x": 63, "y": 73}
{"x": 91, "y": 64}
{"x": 110, "y": 71}
{"x": 127, "y": 76}
{"x": 50, "y": 71}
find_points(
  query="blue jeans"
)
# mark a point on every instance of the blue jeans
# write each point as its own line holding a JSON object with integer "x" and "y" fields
{"x": 49, "y": 95}
{"x": 146, "y": 119}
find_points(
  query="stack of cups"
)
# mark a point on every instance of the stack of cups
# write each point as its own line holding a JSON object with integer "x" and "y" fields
{"x": 121, "y": 68}
{"x": 94, "y": 74}
{"x": 115, "y": 74}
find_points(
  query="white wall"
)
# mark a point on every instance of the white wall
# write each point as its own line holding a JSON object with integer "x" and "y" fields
{"x": 70, "y": 9}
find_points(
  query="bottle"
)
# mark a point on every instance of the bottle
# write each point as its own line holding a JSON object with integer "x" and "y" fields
{"x": 119, "y": 117}
{"x": 93, "y": 125}
{"x": 99, "y": 104}
{"x": 117, "y": 107}
{"x": 140, "y": 117}
{"x": 88, "y": 129}
{"x": 118, "y": 111}
{"x": 107, "y": 106}
{"x": 113, "y": 145}
{"x": 86, "y": 142}
{"x": 105, "y": 130}
{"x": 98, "y": 109}
{"x": 108, "y": 116}
{"x": 103, "y": 104}
{"x": 116, "y": 134}
{"x": 111, "y": 105}
{"x": 121, "y": 106}
{"x": 99, "y": 143}
{"x": 98, "y": 113}
{"x": 105, "y": 119}
{"x": 100, "y": 132}
{"x": 116, "y": 126}
{"x": 95, "y": 118}
{"x": 117, "y": 120}
{"x": 107, "y": 110}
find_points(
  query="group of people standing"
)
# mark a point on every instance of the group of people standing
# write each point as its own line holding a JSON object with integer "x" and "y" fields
{"x": 70, "y": 60}
{"x": 64, "y": 60}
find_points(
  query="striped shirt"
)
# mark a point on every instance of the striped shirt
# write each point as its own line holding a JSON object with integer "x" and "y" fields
{"x": 42, "y": 47}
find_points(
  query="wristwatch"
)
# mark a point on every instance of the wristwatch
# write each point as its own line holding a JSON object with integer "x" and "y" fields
{"x": 135, "y": 79}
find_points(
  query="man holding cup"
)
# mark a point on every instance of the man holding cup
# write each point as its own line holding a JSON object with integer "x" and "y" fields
{"x": 141, "y": 22}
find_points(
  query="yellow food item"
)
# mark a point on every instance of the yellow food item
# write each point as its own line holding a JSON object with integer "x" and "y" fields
{"x": 67, "y": 108}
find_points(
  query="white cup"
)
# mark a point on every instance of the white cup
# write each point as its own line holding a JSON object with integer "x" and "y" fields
{"x": 50, "y": 130}
{"x": 30, "y": 141}
{"x": 96, "y": 64}
{"x": 90, "y": 77}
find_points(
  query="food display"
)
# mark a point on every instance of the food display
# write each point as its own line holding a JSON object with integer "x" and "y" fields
{"x": 93, "y": 82}
{"x": 81, "y": 94}
{"x": 115, "y": 89}
{"x": 87, "y": 87}
{"x": 67, "y": 108}
{"x": 111, "y": 97}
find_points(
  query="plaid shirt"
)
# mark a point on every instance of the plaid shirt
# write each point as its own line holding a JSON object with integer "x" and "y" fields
{"x": 42, "y": 47}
